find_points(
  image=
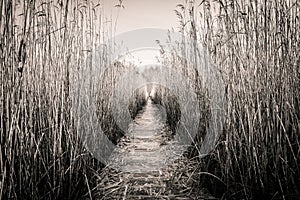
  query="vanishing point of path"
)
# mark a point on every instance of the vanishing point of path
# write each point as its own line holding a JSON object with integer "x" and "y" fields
{"x": 142, "y": 166}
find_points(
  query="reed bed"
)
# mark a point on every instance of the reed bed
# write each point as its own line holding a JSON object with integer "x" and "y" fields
{"x": 255, "y": 46}
{"x": 43, "y": 46}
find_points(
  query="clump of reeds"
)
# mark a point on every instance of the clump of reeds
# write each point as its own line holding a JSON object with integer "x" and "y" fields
{"x": 137, "y": 102}
{"x": 169, "y": 101}
{"x": 107, "y": 86}
{"x": 255, "y": 46}
{"x": 43, "y": 44}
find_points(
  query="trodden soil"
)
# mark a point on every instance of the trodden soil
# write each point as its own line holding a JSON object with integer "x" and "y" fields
{"x": 147, "y": 163}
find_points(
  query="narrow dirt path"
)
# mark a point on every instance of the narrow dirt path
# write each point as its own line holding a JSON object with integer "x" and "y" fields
{"x": 148, "y": 146}
{"x": 142, "y": 167}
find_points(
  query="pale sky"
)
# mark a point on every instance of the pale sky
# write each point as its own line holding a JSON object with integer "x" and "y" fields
{"x": 142, "y": 14}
